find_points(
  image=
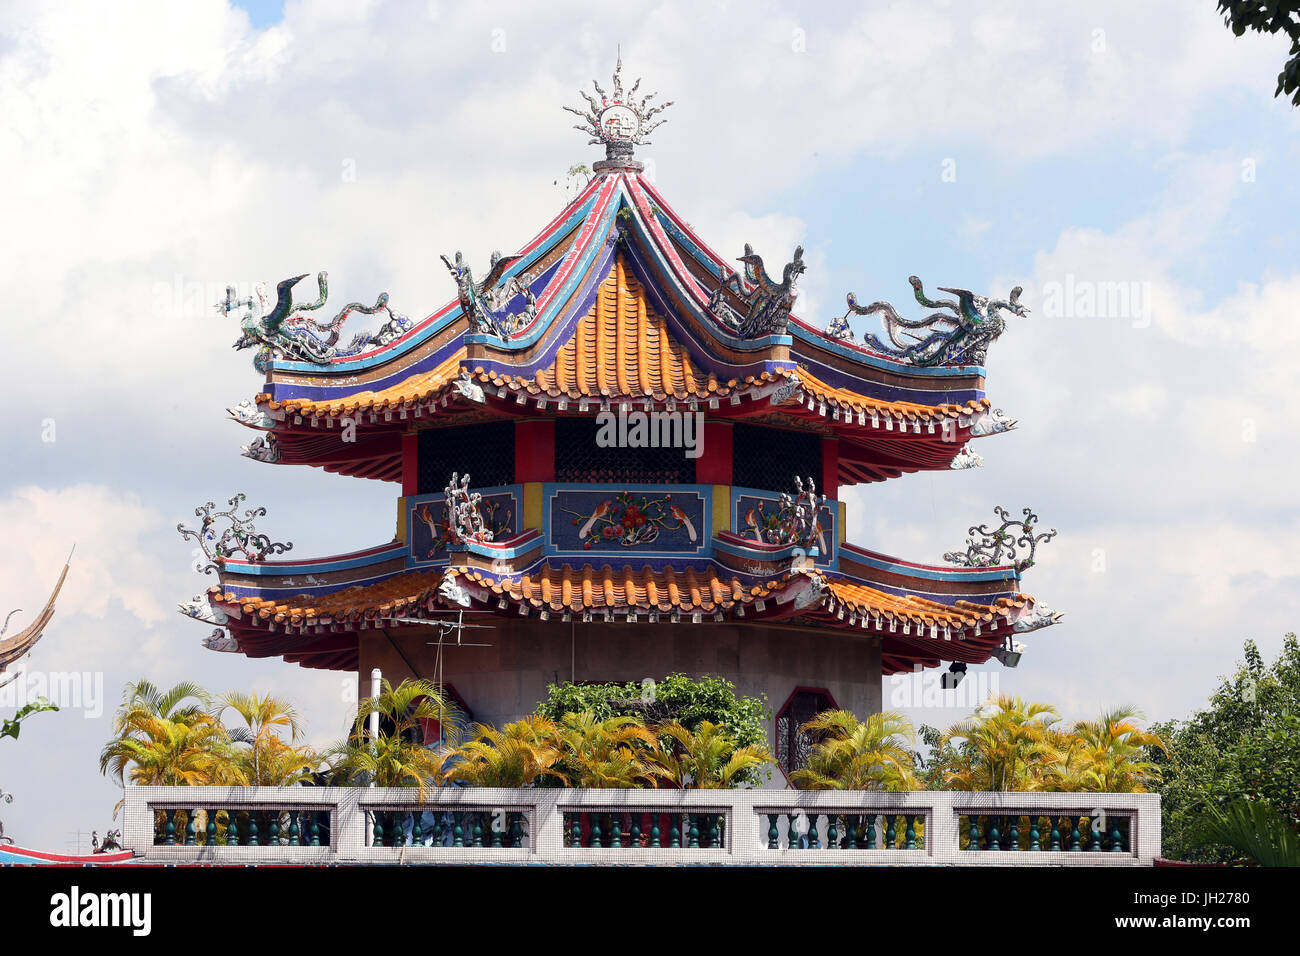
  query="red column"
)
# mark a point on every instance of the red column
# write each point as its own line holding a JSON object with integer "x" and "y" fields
{"x": 410, "y": 464}
{"x": 713, "y": 467}
{"x": 535, "y": 451}
{"x": 830, "y": 467}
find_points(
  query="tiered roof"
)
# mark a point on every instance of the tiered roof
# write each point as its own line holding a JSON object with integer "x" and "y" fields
{"x": 617, "y": 301}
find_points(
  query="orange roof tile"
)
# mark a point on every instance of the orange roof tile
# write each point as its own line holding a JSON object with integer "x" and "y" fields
{"x": 417, "y": 388}
{"x": 866, "y": 600}
{"x": 604, "y": 588}
{"x": 854, "y": 403}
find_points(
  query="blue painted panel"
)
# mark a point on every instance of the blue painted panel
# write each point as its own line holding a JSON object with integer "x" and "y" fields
{"x": 427, "y": 535}
{"x": 755, "y": 513}
{"x": 627, "y": 520}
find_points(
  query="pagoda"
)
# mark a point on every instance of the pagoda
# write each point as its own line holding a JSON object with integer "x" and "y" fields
{"x": 626, "y": 456}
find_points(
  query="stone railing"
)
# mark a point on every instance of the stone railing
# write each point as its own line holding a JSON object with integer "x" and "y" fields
{"x": 784, "y": 827}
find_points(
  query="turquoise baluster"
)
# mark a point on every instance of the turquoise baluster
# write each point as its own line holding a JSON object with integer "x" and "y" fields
{"x": 773, "y": 834}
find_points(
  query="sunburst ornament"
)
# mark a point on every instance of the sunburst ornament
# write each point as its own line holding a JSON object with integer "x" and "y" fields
{"x": 617, "y": 119}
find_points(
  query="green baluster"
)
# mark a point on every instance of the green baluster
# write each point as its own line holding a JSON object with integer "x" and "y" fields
{"x": 595, "y": 841}
{"x": 1034, "y": 843}
{"x": 189, "y": 829}
{"x": 634, "y": 834}
{"x": 871, "y": 831}
{"x": 814, "y": 839}
{"x": 1097, "y": 825}
{"x": 210, "y": 831}
{"x": 656, "y": 838}
{"x": 833, "y": 833}
{"x": 1116, "y": 840}
{"x": 1055, "y": 837}
{"x": 458, "y": 833}
{"x": 170, "y": 831}
{"x": 616, "y": 831}
{"x": 1075, "y": 838}
{"x": 575, "y": 831}
{"x": 417, "y": 830}
{"x": 232, "y": 828}
{"x": 379, "y": 829}
{"x": 694, "y": 832}
{"x": 1013, "y": 834}
{"x": 995, "y": 838}
{"x": 315, "y": 831}
{"x": 909, "y": 837}
{"x": 773, "y": 834}
{"x": 295, "y": 835}
{"x": 891, "y": 838}
{"x": 792, "y": 835}
{"x": 972, "y": 832}
{"x": 674, "y": 832}
{"x": 714, "y": 835}
{"x": 516, "y": 830}
{"x": 478, "y": 828}
{"x": 851, "y": 832}
{"x": 438, "y": 828}
{"x": 275, "y": 830}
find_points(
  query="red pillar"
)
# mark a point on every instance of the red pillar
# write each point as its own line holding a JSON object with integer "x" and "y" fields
{"x": 830, "y": 467}
{"x": 410, "y": 464}
{"x": 535, "y": 450}
{"x": 713, "y": 467}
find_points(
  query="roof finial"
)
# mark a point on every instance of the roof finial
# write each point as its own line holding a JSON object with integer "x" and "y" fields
{"x": 617, "y": 120}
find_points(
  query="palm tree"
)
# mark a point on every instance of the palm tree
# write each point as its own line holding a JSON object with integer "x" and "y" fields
{"x": 615, "y": 752}
{"x": 1254, "y": 829}
{"x": 168, "y": 737}
{"x": 267, "y": 760}
{"x": 1106, "y": 755}
{"x": 517, "y": 755}
{"x": 707, "y": 759}
{"x": 1009, "y": 746}
{"x": 396, "y": 757}
{"x": 854, "y": 754}
{"x": 165, "y": 752}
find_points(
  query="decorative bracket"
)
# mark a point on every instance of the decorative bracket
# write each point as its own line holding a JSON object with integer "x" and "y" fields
{"x": 995, "y": 547}
{"x": 240, "y": 538}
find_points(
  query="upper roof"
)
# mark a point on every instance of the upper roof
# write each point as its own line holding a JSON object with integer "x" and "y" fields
{"x": 519, "y": 321}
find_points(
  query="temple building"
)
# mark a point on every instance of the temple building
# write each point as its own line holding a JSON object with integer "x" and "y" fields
{"x": 626, "y": 455}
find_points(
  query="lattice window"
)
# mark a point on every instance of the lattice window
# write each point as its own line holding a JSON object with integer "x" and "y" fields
{"x": 485, "y": 450}
{"x": 792, "y": 746}
{"x": 770, "y": 458}
{"x": 579, "y": 458}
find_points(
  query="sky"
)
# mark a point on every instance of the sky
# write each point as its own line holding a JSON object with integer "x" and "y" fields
{"x": 1125, "y": 163}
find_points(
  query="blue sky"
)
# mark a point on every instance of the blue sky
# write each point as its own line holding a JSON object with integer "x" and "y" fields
{"x": 153, "y": 150}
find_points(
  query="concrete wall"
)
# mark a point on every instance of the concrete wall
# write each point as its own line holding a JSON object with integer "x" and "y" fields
{"x": 504, "y": 681}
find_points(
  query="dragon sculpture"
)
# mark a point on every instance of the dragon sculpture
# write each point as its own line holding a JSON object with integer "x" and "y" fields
{"x": 482, "y": 302}
{"x": 284, "y": 332}
{"x": 958, "y": 335}
{"x": 767, "y": 301}
{"x": 464, "y": 515}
